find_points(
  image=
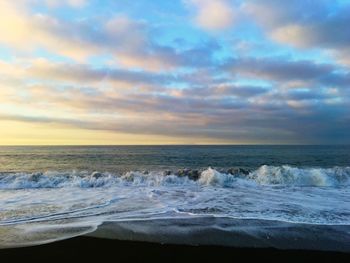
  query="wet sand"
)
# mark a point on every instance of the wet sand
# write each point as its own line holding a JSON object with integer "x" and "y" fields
{"x": 96, "y": 249}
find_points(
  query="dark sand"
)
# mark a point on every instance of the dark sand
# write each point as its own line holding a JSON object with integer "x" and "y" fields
{"x": 100, "y": 250}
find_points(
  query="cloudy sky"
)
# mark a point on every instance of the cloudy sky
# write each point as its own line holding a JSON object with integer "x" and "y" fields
{"x": 174, "y": 72}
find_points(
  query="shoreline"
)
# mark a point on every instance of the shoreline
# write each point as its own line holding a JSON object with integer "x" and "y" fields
{"x": 91, "y": 248}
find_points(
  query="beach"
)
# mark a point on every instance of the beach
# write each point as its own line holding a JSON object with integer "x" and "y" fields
{"x": 89, "y": 248}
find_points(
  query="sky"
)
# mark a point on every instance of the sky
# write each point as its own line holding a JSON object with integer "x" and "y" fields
{"x": 86, "y": 72}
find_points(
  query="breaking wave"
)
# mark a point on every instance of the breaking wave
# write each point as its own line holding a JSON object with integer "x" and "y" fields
{"x": 265, "y": 175}
{"x": 287, "y": 175}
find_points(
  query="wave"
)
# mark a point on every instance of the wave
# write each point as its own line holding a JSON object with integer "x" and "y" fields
{"x": 265, "y": 175}
{"x": 287, "y": 175}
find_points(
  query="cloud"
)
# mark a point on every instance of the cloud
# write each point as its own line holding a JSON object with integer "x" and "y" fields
{"x": 71, "y": 3}
{"x": 33, "y": 31}
{"x": 139, "y": 102}
{"x": 85, "y": 74}
{"x": 128, "y": 41}
{"x": 305, "y": 24}
{"x": 133, "y": 45}
{"x": 275, "y": 69}
{"x": 224, "y": 90}
{"x": 23, "y": 72}
{"x": 213, "y": 15}
{"x": 77, "y": 3}
{"x": 305, "y": 94}
{"x": 328, "y": 32}
{"x": 271, "y": 13}
{"x": 213, "y": 113}
{"x": 252, "y": 124}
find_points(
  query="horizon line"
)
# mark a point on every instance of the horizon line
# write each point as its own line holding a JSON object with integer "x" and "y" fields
{"x": 111, "y": 145}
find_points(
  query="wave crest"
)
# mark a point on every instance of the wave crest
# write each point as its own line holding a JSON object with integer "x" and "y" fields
{"x": 213, "y": 177}
{"x": 288, "y": 175}
{"x": 265, "y": 175}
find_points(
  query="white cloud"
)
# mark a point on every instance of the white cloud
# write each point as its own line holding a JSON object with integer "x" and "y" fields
{"x": 77, "y": 3}
{"x": 72, "y": 3}
{"x": 213, "y": 15}
{"x": 125, "y": 39}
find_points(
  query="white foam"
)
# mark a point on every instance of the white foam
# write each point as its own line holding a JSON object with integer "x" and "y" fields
{"x": 53, "y": 180}
{"x": 214, "y": 178}
{"x": 265, "y": 175}
{"x": 287, "y": 175}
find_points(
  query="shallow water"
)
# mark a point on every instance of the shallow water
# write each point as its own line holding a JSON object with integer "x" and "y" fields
{"x": 53, "y": 193}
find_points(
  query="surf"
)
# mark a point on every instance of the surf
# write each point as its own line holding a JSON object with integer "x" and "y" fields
{"x": 263, "y": 206}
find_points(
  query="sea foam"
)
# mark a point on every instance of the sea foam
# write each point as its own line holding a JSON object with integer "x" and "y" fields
{"x": 265, "y": 175}
{"x": 287, "y": 175}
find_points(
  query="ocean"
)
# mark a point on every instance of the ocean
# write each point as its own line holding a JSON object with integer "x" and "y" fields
{"x": 287, "y": 197}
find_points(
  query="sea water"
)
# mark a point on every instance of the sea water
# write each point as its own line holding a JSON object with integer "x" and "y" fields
{"x": 244, "y": 196}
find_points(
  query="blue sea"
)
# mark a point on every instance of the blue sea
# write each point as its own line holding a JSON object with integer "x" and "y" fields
{"x": 287, "y": 197}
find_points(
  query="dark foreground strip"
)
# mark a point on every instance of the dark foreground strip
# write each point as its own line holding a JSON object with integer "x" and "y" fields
{"x": 84, "y": 249}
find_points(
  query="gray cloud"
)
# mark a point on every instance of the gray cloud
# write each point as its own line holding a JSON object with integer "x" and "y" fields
{"x": 248, "y": 124}
{"x": 86, "y": 74}
{"x": 313, "y": 24}
{"x": 284, "y": 70}
{"x": 225, "y": 90}
{"x": 276, "y": 12}
{"x": 129, "y": 41}
{"x": 211, "y": 108}
{"x": 306, "y": 95}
